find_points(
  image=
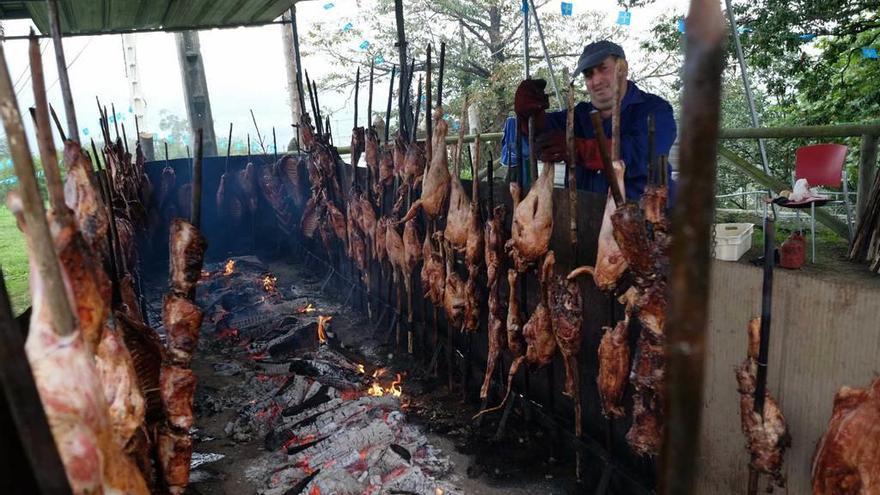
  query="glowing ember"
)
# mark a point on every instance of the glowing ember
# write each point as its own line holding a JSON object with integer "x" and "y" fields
{"x": 376, "y": 390}
{"x": 361, "y": 369}
{"x": 395, "y": 388}
{"x": 269, "y": 283}
{"x": 309, "y": 308}
{"x": 322, "y": 328}
{"x": 229, "y": 268}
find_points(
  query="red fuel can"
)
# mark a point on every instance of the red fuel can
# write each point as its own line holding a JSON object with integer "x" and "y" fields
{"x": 793, "y": 252}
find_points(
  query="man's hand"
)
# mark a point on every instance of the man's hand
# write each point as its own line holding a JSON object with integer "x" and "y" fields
{"x": 530, "y": 99}
{"x": 551, "y": 147}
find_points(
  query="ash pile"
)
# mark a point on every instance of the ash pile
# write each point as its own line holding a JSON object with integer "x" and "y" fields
{"x": 328, "y": 422}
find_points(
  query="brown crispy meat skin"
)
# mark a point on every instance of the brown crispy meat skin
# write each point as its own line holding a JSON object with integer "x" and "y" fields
{"x": 272, "y": 187}
{"x": 81, "y": 195}
{"x": 357, "y": 145}
{"x": 847, "y": 459}
{"x": 453, "y": 294}
{"x": 433, "y": 273}
{"x": 178, "y": 385}
{"x": 538, "y": 331}
{"x": 435, "y": 186}
{"x": 653, "y": 203}
{"x": 494, "y": 244}
{"x": 186, "y": 254}
{"x": 457, "y": 216}
{"x": 400, "y": 145}
{"x": 613, "y": 368}
{"x": 294, "y": 169}
{"x": 182, "y": 319}
{"x": 532, "y": 223}
{"x": 496, "y": 336}
{"x": 647, "y": 375}
{"x": 175, "y": 452}
{"x": 632, "y": 237}
{"x": 566, "y": 313}
{"x": 414, "y": 162}
{"x": 372, "y": 151}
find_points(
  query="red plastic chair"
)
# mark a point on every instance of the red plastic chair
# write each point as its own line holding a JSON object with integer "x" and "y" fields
{"x": 823, "y": 165}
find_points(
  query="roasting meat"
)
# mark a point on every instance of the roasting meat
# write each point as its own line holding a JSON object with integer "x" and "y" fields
{"x": 71, "y": 392}
{"x": 533, "y": 222}
{"x": 411, "y": 246}
{"x": 371, "y": 151}
{"x": 454, "y": 297}
{"x": 166, "y": 187}
{"x": 386, "y": 170}
{"x": 119, "y": 381}
{"x": 472, "y": 300}
{"x": 631, "y": 235}
{"x": 175, "y": 452}
{"x": 565, "y": 311}
{"x": 311, "y": 217}
{"x": 380, "y": 249}
{"x": 359, "y": 253}
{"x": 182, "y": 320}
{"x": 337, "y": 221}
{"x": 229, "y": 205}
{"x": 294, "y": 168}
{"x": 307, "y": 132}
{"x": 393, "y": 245}
{"x": 368, "y": 224}
{"x": 457, "y": 216}
{"x": 515, "y": 341}
{"x": 357, "y": 145}
{"x": 613, "y": 368}
{"x": 494, "y": 244}
{"x": 271, "y": 186}
{"x": 186, "y": 253}
{"x": 177, "y": 388}
{"x": 473, "y": 253}
{"x": 847, "y": 459}
{"x": 82, "y": 195}
{"x": 647, "y": 376}
{"x": 610, "y": 262}
{"x": 400, "y": 145}
{"x": 653, "y": 203}
{"x": 433, "y": 273}
{"x": 538, "y": 331}
{"x": 435, "y": 186}
{"x": 414, "y": 162}
{"x": 497, "y": 337}
{"x": 651, "y": 302}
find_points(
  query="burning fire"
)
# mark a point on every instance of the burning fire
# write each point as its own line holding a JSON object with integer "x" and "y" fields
{"x": 376, "y": 389}
{"x": 361, "y": 369}
{"x": 322, "y": 330}
{"x": 269, "y": 283}
{"x": 229, "y": 268}
{"x": 307, "y": 309}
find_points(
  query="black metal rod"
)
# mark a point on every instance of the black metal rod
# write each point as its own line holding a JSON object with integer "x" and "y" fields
{"x": 124, "y": 139}
{"x": 766, "y": 314}
{"x": 370, "y": 99}
{"x": 321, "y": 130}
{"x": 274, "y": 145}
{"x": 429, "y": 118}
{"x": 357, "y": 84}
{"x": 228, "y": 149}
{"x": 440, "y": 77}
{"x": 57, "y": 123}
{"x": 196, "y": 206}
{"x": 115, "y": 120}
{"x": 415, "y": 125}
{"x": 388, "y": 108}
{"x": 296, "y": 56}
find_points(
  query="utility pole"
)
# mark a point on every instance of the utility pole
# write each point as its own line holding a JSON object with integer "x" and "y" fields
{"x": 195, "y": 89}
{"x": 135, "y": 93}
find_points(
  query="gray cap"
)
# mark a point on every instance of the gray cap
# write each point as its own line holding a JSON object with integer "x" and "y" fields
{"x": 595, "y": 53}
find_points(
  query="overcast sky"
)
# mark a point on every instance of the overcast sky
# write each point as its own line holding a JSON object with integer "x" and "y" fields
{"x": 245, "y": 69}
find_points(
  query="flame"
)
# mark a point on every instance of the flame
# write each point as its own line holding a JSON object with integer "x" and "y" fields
{"x": 376, "y": 389}
{"x": 229, "y": 268}
{"x": 438, "y": 491}
{"x": 322, "y": 328}
{"x": 361, "y": 369}
{"x": 269, "y": 283}
{"x": 309, "y": 308}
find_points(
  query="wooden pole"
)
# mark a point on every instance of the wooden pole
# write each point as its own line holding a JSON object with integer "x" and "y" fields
{"x": 39, "y": 240}
{"x": 63, "y": 78}
{"x": 388, "y": 108}
{"x": 690, "y": 255}
{"x": 429, "y": 118}
{"x": 228, "y": 149}
{"x": 867, "y": 169}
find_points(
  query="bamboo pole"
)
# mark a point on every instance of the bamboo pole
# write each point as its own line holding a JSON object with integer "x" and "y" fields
{"x": 39, "y": 240}
{"x": 63, "y": 78}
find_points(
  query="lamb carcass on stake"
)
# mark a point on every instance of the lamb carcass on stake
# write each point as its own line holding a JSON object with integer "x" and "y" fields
{"x": 494, "y": 244}
{"x": 82, "y": 196}
{"x": 457, "y": 216}
{"x": 272, "y": 187}
{"x": 414, "y": 163}
{"x": 494, "y": 247}
{"x": 566, "y": 314}
{"x": 614, "y": 362}
{"x": 435, "y": 186}
{"x": 532, "y": 222}
{"x": 454, "y": 297}
{"x": 357, "y": 145}
{"x": 538, "y": 331}
{"x": 371, "y": 152}
{"x": 847, "y": 459}
{"x": 433, "y": 274}
{"x": 412, "y": 251}
{"x": 610, "y": 262}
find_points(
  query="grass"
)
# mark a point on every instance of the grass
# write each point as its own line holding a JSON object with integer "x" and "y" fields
{"x": 14, "y": 261}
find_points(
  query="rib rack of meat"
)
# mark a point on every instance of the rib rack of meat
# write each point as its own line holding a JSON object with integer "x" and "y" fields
{"x": 847, "y": 459}
{"x": 538, "y": 331}
{"x": 532, "y": 222}
{"x": 82, "y": 196}
{"x": 273, "y": 190}
{"x": 435, "y": 186}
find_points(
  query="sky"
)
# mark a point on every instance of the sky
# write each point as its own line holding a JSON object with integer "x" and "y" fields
{"x": 245, "y": 70}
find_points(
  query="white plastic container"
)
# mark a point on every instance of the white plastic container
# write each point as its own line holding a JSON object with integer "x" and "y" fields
{"x": 732, "y": 240}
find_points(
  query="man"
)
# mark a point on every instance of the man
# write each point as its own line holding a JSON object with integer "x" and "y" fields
{"x": 597, "y": 64}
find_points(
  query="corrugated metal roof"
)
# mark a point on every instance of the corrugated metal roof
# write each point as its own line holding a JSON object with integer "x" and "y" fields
{"x": 107, "y": 16}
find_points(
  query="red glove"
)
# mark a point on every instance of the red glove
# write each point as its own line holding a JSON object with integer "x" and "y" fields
{"x": 531, "y": 101}
{"x": 551, "y": 147}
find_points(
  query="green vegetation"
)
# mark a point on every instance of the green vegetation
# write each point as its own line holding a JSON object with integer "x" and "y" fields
{"x": 13, "y": 259}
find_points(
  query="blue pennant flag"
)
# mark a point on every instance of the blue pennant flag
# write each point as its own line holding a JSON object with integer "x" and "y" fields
{"x": 525, "y": 6}
{"x": 328, "y": 5}
{"x": 624, "y": 18}
{"x": 567, "y": 8}
{"x": 365, "y": 44}
{"x": 744, "y": 30}
{"x": 869, "y": 52}
{"x": 379, "y": 59}
{"x": 681, "y": 25}
{"x": 86, "y": 131}
{"x": 807, "y": 37}
{"x": 347, "y": 27}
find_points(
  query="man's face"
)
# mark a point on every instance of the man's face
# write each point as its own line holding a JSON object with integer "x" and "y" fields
{"x": 600, "y": 82}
